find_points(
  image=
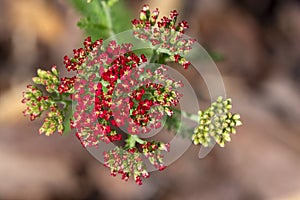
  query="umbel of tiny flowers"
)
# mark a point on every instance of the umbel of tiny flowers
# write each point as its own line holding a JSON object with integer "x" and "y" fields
{"x": 165, "y": 35}
{"x": 216, "y": 122}
{"x": 111, "y": 91}
{"x": 98, "y": 98}
{"x": 118, "y": 88}
{"x": 129, "y": 161}
{"x": 37, "y": 103}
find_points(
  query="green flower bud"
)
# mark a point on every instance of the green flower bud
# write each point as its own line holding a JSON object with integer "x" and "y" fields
{"x": 37, "y": 80}
{"x": 55, "y": 71}
{"x": 216, "y": 122}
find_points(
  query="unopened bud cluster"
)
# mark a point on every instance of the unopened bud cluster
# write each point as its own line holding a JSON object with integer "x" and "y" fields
{"x": 217, "y": 122}
{"x": 47, "y": 78}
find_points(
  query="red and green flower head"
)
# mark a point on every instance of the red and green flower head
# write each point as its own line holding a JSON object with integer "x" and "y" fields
{"x": 115, "y": 95}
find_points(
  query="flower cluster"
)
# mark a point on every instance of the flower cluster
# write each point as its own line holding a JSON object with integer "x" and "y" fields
{"x": 49, "y": 79}
{"x": 81, "y": 54}
{"x": 159, "y": 96}
{"x": 148, "y": 20}
{"x": 58, "y": 89}
{"x": 145, "y": 95}
{"x": 116, "y": 95}
{"x": 67, "y": 85}
{"x": 54, "y": 120}
{"x": 216, "y": 122}
{"x": 165, "y": 35}
{"x": 113, "y": 92}
{"x": 109, "y": 91}
{"x": 93, "y": 117}
{"x": 127, "y": 163}
{"x": 35, "y": 102}
{"x": 152, "y": 151}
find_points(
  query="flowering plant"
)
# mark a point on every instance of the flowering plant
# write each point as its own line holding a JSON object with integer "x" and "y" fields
{"x": 118, "y": 94}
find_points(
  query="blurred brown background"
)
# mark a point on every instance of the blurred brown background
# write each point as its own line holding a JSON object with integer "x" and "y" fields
{"x": 260, "y": 42}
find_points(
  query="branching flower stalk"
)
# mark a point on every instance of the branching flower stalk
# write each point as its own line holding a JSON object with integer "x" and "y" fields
{"x": 115, "y": 99}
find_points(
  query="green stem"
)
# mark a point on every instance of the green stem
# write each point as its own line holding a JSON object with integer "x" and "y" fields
{"x": 108, "y": 18}
{"x": 132, "y": 140}
{"x": 187, "y": 115}
{"x": 60, "y": 99}
{"x": 154, "y": 56}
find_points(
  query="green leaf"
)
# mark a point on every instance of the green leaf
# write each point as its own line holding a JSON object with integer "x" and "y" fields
{"x": 66, "y": 124}
{"x": 94, "y": 22}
